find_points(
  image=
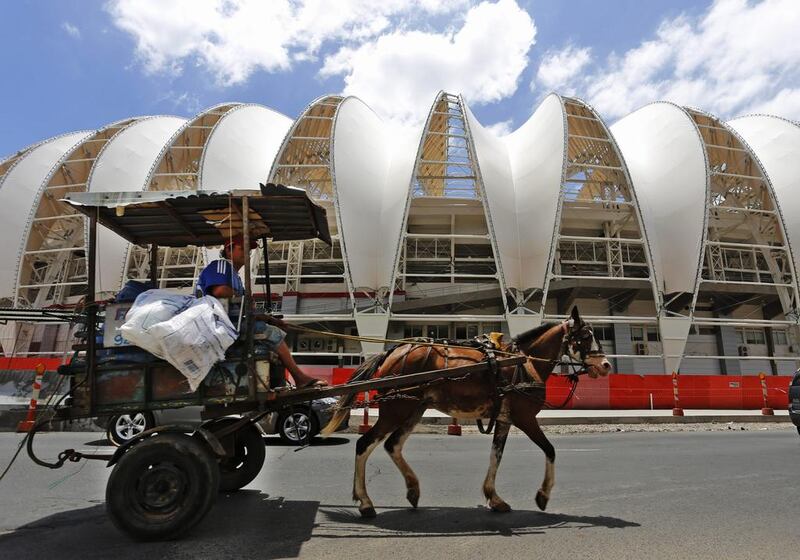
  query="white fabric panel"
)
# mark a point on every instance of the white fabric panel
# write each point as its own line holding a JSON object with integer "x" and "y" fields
{"x": 124, "y": 165}
{"x": 536, "y": 155}
{"x": 405, "y": 143}
{"x": 666, "y": 162}
{"x": 361, "y": 159}
{"x": 19, "y": 189}
{"x": 498, "y": 184}
{"x": 776, "y": 142}
{"x": 241, "y": 148}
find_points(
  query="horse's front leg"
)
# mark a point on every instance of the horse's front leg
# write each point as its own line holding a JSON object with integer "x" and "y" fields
{"x": 498, "y": 445}
{"x": 525, "y": 420}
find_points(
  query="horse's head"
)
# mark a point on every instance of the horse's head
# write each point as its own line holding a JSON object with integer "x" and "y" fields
{"x": 581, "y": 345}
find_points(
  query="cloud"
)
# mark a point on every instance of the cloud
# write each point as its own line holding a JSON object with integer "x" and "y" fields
{"x": 399, "y": 73}
{"x": 736, "y": 58}
{"x": 71, "y": 30}
{"x": 559, "y": 68}
{"x": 501, "y": 128}
{"x": 234, "y": 38}
{"x": 389, "y": 53}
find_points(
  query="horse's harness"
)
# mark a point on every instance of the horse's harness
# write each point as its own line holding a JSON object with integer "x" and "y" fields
{"x": 527, "y": 388}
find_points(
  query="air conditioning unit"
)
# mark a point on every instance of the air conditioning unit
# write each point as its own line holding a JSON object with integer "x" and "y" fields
{"x": 303, "y": 344}
{"x": 640, "y": 349}
{"x": 317, "y": 344}
{"x": 743, "y": 351}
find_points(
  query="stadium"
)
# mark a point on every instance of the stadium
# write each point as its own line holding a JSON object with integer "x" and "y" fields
{"x": 671, "y": 230}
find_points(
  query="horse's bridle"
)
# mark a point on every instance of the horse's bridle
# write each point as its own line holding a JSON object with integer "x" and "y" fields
{"x": 581, "y": 338}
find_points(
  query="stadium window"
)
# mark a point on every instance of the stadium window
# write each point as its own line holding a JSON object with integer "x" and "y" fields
{"x": 780, "y": 338}
{"x": 637, "y": 334}
{"x": 438, "y": 331}
{"x": 412, "y": 331}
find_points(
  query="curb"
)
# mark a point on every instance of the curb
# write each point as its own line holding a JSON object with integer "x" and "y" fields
{"x": 595, "y": 420}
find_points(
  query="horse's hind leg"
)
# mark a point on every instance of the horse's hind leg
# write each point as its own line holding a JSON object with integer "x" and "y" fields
{"x": 364, "y": 446}
{"x": 528, "y": 424}
{"x": 394, "y": 447}
{"x": 498, "y": 445}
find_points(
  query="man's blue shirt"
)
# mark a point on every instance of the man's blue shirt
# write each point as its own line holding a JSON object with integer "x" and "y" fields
{"x": 220, "y": 273}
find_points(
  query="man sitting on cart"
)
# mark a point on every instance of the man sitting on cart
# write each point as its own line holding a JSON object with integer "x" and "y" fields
{"x": 220, "y": 278}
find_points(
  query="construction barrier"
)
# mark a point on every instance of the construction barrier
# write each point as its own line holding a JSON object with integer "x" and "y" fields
{"x": 27, "y": 424}
{"x": 638, "y": 392}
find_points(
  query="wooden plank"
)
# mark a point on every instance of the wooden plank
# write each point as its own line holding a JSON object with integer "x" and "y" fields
{"x": 394, "y": 382}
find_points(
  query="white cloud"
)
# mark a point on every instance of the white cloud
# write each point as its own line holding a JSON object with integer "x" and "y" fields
{"x": 501, "y": 128}
{"x": 736, "y": 58}
{"x": 71, "y": 30}
{"x": 400, "y": 72}
{"x": 559, "y": 68}
{"x": 234, "y": 38}
{"x": 386, "y": 52}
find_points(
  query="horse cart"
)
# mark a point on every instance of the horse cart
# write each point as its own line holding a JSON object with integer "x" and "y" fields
{"x": 165, "y": 480}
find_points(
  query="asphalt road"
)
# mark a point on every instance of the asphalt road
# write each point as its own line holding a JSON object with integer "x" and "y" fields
{"x": 625, "y": 495}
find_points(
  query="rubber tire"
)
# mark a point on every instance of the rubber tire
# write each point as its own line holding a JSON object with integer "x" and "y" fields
{"x": 313, "y": 425}
{"x": 239, "y": 471}
{"x": 111, "y": 433}
{"x": 170, "y": 453}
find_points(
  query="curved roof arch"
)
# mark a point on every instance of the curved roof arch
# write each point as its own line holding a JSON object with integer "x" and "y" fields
{"x": 19, "y": 188}
{"x": 124, "y": 164}
{"x": 667, "y": 162}
{"x": 776, "y": 142}
{"x": 305, "y": 160}
{"x": 746, "y": 243}
{"x": 241, "y": 147}
{"x": 51, "y": 262}
{"x": 537, "y": 153}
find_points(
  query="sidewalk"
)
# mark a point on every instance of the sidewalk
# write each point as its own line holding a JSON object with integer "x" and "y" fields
{"x": 658, "y": 416}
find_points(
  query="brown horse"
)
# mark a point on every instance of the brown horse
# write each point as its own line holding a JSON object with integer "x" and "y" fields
{"x": 473, "y": 397}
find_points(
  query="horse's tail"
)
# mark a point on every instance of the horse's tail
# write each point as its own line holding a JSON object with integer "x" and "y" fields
{"x": 364, "y": 372}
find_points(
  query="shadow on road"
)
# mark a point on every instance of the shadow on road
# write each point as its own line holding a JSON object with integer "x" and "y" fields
{"x": 251, "y": 524}
{"x": 246, "y": 524}
{"x": 315, "y": 442}
{"x": 453, "y": 522}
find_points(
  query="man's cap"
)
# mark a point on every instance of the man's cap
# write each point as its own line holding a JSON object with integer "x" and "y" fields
{"x": 238, "y": 239}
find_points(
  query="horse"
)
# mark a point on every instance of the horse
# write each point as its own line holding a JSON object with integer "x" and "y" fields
{"x": 475, "y": 396}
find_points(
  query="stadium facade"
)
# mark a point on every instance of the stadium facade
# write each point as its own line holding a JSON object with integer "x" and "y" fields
{"x": 671, "y": 230}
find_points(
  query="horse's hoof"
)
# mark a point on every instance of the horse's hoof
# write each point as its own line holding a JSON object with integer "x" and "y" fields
{"x": 368, "y": 513}
{"x": 500, "y": 507}
{"x": 413, "y": 497}
{"x": 541, "y": 500}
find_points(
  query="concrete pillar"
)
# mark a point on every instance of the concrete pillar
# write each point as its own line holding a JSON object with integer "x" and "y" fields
{"x": 623, "y": 345}
{"x": 728, "y": 345}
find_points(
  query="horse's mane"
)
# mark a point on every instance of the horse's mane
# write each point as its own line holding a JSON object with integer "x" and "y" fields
{"x": 534, "y": 333}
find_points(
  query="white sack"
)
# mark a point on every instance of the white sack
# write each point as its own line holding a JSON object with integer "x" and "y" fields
{"x": 191, "y": 334}
{"x": 196, "y": 339}
{"x": 150, "y": 308}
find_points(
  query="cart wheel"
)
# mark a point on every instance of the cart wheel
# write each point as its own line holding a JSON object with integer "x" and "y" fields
{"x": 297, "y": 425}
{"x": 122, "y": 428}
{"x": 162, "y": 487}
{"x": 239, "y": 470}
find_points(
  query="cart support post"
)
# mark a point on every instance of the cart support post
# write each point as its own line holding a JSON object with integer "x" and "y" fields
{"x": 154, "y": 265}
{"x": 91, "y": 307}
{"x": 267, "y": 279}
{"x": 247, "y": 304}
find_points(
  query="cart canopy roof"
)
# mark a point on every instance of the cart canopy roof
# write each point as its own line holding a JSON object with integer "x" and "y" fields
{"x": 205, "y": 218}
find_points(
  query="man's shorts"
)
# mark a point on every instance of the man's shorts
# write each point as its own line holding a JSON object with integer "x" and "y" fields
{"x": 268, "y": 335}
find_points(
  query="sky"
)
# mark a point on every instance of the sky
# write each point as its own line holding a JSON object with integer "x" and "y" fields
{"x": 80, "y": 64}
